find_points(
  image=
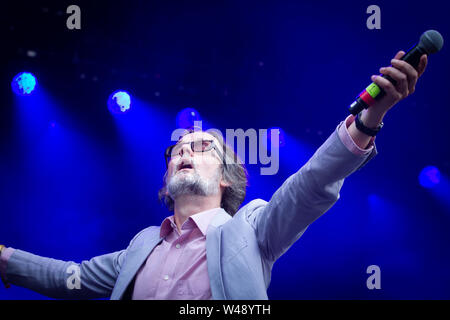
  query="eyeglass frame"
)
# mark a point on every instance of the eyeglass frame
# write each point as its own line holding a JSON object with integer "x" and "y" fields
{"x": 167, "y": 153}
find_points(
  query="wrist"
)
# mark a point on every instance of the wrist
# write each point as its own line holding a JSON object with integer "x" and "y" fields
{"x": 372, "y": 118}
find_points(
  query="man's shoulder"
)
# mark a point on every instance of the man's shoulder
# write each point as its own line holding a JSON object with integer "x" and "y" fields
{"x": 251, "y": 209}
{"x": 252, "y": 205}
{"x": 147, "y": 233}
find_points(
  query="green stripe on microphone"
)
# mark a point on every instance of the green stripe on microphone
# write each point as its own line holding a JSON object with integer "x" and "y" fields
{"x": 373, "y": 89}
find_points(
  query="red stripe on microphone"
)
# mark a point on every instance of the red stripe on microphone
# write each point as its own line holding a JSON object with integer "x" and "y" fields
{"x": 367, "y": 98}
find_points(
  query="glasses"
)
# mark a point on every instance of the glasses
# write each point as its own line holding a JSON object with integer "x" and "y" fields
{"x": 196, "y": 146}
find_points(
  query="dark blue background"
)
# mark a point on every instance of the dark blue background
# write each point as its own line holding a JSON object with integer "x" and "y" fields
{"x": 87, "y": 185}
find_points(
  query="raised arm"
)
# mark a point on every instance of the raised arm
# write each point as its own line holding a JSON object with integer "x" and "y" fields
{"x": 310, "y": 192}
{"x": 305, "y": 196}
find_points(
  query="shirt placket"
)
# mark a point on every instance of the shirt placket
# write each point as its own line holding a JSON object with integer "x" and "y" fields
{"x": 171, "y": 264}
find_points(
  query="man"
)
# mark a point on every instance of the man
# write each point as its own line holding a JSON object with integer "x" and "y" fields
{"x": 209, "y": 249}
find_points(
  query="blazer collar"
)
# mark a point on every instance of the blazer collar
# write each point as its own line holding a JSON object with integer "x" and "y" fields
{"x": 138, "y": 256}
{"x": 220, "y": 218}
{"x": 213, "y": 248}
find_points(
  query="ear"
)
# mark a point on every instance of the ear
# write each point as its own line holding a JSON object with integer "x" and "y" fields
{"x": 224, "y": 183}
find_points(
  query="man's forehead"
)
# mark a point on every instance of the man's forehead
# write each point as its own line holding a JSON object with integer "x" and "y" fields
{"x": 196, "y": 136}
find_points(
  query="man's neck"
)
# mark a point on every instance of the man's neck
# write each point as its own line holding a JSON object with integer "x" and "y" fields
{"x": 188, "y": 205}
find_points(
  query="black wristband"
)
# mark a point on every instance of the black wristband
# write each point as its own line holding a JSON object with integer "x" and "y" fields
{"x": 361, "y": 127}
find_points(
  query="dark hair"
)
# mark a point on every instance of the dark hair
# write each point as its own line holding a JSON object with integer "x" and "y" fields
{"x": 233, "y": 172}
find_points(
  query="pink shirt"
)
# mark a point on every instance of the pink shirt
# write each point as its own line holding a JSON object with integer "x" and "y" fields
{"x": 176, "y": 268}
{"x": 346, "y": 138}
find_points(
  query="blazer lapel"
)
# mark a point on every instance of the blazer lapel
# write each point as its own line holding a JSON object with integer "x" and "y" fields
{"x": 213, "y": 245}
{"x": 136, "y": 257}
{"x": 134, "y": 260}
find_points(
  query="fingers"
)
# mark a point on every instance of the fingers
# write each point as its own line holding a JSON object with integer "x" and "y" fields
{"x": 388, "y": 87}
{"x": 422, "y": 63}
{"x": 399, "y": 54}
{"x": 407, "y": 69}
{"x": 400, "y": 77}
{"x": 405, "y": 76}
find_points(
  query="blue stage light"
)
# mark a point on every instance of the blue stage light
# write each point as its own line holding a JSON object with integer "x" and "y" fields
{"x": 429, "y": 177}
{"x": 187, "y": 117}
{"x": 281, "y": 137}
{"x": 119, "y": 102}
{"x": 23, "y": 84}
{"x": 374, "y": 200}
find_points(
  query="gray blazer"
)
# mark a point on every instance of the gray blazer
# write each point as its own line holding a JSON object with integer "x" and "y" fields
{"x": 241, "y": 250}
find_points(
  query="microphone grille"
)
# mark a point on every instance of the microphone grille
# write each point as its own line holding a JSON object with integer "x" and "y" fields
{"x": 431, "y": 41}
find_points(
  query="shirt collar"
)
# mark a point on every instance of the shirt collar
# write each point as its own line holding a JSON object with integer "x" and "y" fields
{"x": 200, "y": 220}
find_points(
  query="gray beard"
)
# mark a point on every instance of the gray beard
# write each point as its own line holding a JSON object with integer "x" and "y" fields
{"x": 192, "y": 184}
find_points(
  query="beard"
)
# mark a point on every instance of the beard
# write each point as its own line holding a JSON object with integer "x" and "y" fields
{"x": 192, "y": 184}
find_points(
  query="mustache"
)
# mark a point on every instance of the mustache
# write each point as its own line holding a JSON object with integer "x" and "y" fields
{"x": 184, "y": 163}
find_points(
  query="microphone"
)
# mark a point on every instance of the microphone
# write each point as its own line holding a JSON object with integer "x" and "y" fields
{"x": 430, "y": 41}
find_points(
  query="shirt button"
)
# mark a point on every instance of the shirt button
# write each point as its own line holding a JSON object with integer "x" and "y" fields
{"x": 166, "y": 277}
{"x": 178, "y": 246}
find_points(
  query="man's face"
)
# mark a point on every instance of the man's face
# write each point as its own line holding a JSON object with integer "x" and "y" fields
{"x": 195, "y": 173}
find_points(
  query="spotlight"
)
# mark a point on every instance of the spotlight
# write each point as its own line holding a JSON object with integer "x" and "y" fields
{"x": 31, "y": 53}
{"x": 23, "y": 84}
{"x": 187, "y": 117}
{"x": 429, "y": 177}
{"x": 119, "y": 102}
{"x": 374, "y": 199}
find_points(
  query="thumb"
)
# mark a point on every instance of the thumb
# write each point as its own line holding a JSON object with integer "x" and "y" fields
{"x": 422, "y": 64}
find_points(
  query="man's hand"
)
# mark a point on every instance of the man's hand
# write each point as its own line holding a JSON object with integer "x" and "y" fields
{"x": 406, "y": 77}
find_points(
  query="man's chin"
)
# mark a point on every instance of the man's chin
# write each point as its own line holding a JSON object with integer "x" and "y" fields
{"x": 183, "y": 175}
{"x": 185, "y": 172}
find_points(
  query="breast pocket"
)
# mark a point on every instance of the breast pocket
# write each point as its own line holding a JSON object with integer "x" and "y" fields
{"x": 234, "y": 249}
{"x": 196, "y": 288}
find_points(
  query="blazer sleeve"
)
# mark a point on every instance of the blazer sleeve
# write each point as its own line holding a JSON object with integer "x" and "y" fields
{"x": 54, "y": 278}
{"x": 304, "y": 196}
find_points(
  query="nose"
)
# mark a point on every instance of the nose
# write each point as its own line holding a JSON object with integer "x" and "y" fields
{"x": 186, "y": 149}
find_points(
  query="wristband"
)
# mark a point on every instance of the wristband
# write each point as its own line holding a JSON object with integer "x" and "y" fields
{"x": 361, "y": 127}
